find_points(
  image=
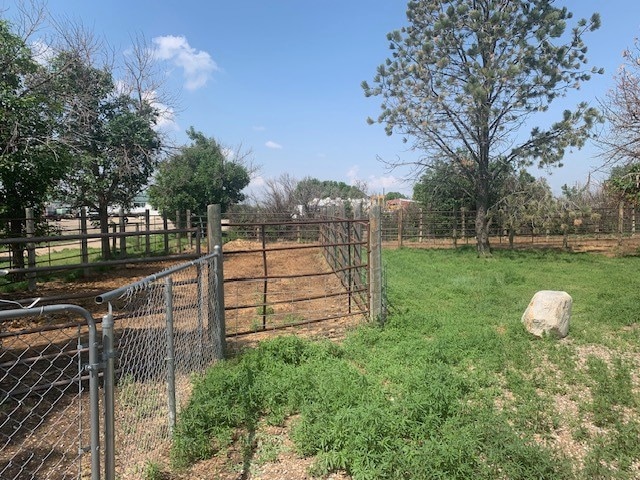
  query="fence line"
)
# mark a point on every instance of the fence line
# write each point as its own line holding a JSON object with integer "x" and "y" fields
{"x": 449, "y": 228}
{"x": 170, "y": 326}
{"x": 130, "y": 240}
{"x": 288, "y": 287}
{"x": 158, "y": 333}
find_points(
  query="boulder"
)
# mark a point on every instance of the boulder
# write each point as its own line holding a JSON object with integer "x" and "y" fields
{"x": 549, "y": 312}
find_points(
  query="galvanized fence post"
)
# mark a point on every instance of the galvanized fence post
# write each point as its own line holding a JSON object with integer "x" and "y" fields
{"x": 219, "y": 304}
{"x": 171, "y": 356}
{"x": 108, "y": 354}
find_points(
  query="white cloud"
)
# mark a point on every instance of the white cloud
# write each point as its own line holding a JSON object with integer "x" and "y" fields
{"x": 197, "y": 65}
{"x": 352, "y": 173}
{"x": 42, "y": 52}
{"x": 259, "y": 128}
{"x": 386, "y": 184}
{"x": 257, "y": 182}
{"x": 274, "y": 145}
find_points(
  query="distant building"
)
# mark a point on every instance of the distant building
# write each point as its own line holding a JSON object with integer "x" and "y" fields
{"x": 398, "y": 203}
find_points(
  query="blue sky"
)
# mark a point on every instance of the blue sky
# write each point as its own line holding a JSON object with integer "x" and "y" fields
{"x": 282, "y": 77}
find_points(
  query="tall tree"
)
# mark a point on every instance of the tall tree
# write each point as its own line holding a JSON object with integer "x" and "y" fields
{"x": 32, "y": 158}
{"x": 111, "y": 137}
{"x": 199, "y": 175}
{"x": 621, "y": 141}
{"x": 465, "y": 76}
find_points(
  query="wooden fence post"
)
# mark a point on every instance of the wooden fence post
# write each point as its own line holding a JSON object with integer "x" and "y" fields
{"x": 620, "y": 222}
{"x": 177, "y": 226}
{"x": 123, "y": 239}
{"x": 84, "y": 243}
{"x": 375, "y": 265}
{"x": 214, "y": 227}
{"x": 189, "y": 236}
{"x": 147, "y": 227}
{"x": 400, "y": 226}
{"x": 31, "y": 249}
{"x": 165, "y": 227}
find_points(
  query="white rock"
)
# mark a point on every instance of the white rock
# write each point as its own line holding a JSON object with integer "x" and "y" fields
{"x": 549, "y": 312}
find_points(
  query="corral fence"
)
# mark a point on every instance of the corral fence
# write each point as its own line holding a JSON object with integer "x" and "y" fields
{"x": 85, "y": 398}
{"x": 417, "y": 226}
{"x": 313, "y": 269}
{"x": 58, "y": 245}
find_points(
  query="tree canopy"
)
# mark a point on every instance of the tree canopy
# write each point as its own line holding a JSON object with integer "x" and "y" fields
{"x": 197, "y": 176}
{"x": 464, "y": 78}
{"x": 111, "y": 137}
{"x": 32, "y": 157}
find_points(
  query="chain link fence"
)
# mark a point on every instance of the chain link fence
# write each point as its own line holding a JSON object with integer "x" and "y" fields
{"x": 48, "y": 423}
{"x": 160, "y": 332}
{"x": 74, "y": 404}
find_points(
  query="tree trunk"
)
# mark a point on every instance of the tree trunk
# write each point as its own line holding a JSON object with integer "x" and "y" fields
{"x": 482, "y": 231}
{"x": 17, "y": 249}
{"x": 104, "y": 229}
{"x": 482, "y": 206}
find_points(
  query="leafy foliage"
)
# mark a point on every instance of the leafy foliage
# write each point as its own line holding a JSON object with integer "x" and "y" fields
{"x": 32, "y": 159}
{"x": 464, "y": 76}
{"x": 624, "y": 183}
{"x": 113, "y": 143}
{"x": 197, "y": 176}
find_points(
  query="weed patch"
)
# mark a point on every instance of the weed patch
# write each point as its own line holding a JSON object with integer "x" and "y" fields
{"x": 452, "y": 386}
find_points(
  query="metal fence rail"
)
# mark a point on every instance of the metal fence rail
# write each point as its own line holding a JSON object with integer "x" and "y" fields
{"x": 298, "y": 273}
{"x": 47, "y": 423}
{"x": 423, "y": 227}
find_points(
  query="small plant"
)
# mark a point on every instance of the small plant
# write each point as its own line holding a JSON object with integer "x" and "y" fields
{"x": 152, "y": 471}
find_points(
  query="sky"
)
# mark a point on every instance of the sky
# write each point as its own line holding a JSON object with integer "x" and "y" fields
{"x": 281, "y": 78}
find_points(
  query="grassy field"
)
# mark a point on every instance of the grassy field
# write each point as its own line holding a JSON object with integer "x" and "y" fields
{"x": 452, "y": 387}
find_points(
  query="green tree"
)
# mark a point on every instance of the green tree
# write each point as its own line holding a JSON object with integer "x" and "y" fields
{"x": 197, "y": 176}
{"x": 32, "y": 157}
{"x": 394, "y": 196}
{"x": 465, "y": 75}
{"x": 309, "y": 188}
{"x": 624, "y": 183}
{"x": 111, "y": 137}
{"x": 443, "y": 187}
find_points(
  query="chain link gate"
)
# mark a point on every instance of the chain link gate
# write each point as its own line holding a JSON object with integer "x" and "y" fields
{"x": 48, "y": 425}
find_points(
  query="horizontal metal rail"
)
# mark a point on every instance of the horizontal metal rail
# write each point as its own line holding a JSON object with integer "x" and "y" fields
{"x": 92, "y": 236}
{"x": 295, "y": 300}
{"x": 102, "y": 263}
{"x": 297, "y": 324}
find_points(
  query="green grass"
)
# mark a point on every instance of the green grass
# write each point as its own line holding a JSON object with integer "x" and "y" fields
{"x": 452, "y": 386}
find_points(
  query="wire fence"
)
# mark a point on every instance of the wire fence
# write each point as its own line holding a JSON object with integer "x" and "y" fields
{"x": 158, "y": 334}
{"x": 48, "y": 423}
{"x": 165, "y": 328}
{"x": 430, "y": 228}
